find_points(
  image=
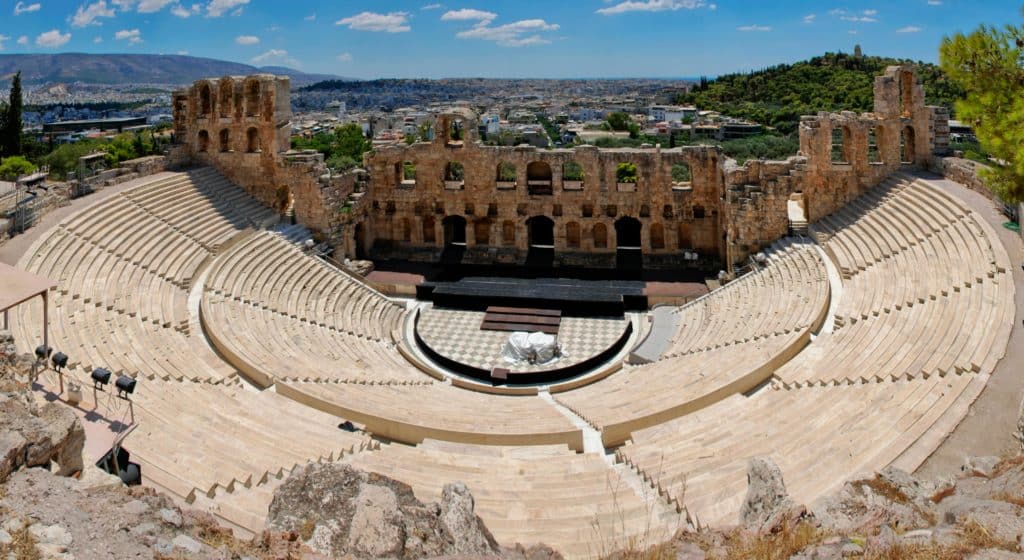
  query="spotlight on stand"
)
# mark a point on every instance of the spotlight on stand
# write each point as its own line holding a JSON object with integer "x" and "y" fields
{"x": 60, "y": 361}
{"x": 125, "y": 387}
{"x": 42, "y": 353}
{"x": 100, "y": 377}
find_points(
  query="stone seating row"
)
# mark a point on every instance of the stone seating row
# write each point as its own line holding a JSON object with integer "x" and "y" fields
{"x": 641, "y": 396}
{"x": 818, "y": 436}
{"x": 572, "y": 502}
{"x": 412, "y": 413}
{"x": 87, "y": 274}
{"x": 939, "y": 336}
{"x": 274, "y": 273}
{"x": 204, "y": 206}
{"x": 269, "y": 346}
{"x": 784, "y": 296}
{"x": 95, "y": 337}
{"x": 196, "y": 438}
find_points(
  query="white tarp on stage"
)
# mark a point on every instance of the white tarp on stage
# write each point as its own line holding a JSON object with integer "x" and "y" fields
{"x": 536, "y": 348}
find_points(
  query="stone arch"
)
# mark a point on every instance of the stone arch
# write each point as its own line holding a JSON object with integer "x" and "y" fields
{"x": 572, "y": 235}
{"x": 538, "y": 177}
{"x": 252, "y": 98}
{"x": 684, "y": 239}
{"x": 283, "y": 199}
{"x": 203, "y": 141}
{"x": 698, "y": 212}
{"x": 225, "y": 93}
{"x": 908, "y": 146}
{"x": 205, "y": 100}
{"x": 405, "y": 174}
{"x": 572, "y": 175}
{"x": 429, "y": 230}
{"x": 540, "y": 231}
{"x": 225, "y": 140}
{"x": 600, "y": 234}
{"x": 506, "y": 175}
{"x": 252, "y": 140}
{"x": 657, "y": 236}
{"x": 406, "y": 225}
{"x": 455, "y": 134}
{"x": 841, "y": 144}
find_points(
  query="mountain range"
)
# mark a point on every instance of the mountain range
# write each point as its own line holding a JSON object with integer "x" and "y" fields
{"x": 128, "y": 69}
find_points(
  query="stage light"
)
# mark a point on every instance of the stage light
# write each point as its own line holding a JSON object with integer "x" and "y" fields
{"x": 100, "y": 377}
{"x": 59, "y": 360}
{"x": 43, "y": 352}
{"x": 125, "y": 386}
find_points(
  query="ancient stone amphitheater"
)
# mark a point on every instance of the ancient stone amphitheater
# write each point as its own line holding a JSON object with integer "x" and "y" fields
{"x": 859, "y": 348}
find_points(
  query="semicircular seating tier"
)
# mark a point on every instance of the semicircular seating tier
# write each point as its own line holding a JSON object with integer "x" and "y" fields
{"x": 728, "y": 341}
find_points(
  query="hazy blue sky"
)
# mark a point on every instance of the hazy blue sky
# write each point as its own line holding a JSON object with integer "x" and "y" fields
{"x": 496, "y": 38}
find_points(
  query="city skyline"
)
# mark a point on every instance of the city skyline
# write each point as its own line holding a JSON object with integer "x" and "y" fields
{"x": 527, "y": 39}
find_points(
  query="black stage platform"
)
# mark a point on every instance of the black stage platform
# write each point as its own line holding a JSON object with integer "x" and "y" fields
{"x": 582, "y": 298}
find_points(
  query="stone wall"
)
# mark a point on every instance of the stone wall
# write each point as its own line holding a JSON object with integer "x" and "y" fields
{"x": 492, "y": 204}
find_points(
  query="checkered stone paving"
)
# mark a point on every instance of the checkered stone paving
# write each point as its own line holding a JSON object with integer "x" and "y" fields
{"x": 456, "y": 335}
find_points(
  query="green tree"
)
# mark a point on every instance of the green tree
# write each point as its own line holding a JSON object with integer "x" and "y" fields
{"x": 349, "y": 141}
{"x": 988, "y": 64}
{"x": 15, "y": 166}
{"x": 11, "y": 139}
{"x": 618, "y": 121}
{"x": 625, "y": 173}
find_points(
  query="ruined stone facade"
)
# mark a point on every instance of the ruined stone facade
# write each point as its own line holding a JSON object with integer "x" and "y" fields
{"x": 453, "y": 197}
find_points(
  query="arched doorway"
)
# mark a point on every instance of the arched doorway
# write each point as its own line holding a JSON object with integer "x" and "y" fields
{"x": 628, "y": 244}
{"x": 454, "y": 230}
{"x": 540, "y": 235}
{"x": 908, "y": 149}
{"x": 359, "y": 238}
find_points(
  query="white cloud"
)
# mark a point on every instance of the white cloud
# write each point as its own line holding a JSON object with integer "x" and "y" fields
{"x": 97, "y": 40}
{"x": 517, "y": 34}
{"x": 2, "y": 39}
{"x": 754, "y": 28}
{"x": 182, "y": 53}
{"x": 133, "y": 36}
{"x": 934, "y": 2}
{"x": 275, "y": 56}
{"x": 469, "y": 14}
{"x": 88, "y": 14}
{"x": 909, "y": 29}
{"x": 344, "y": 57}
{"x": 52, "y": 39}
{"x": 150, "y": 6}
{"x": 23, "y": 8}
{"x": 217, "y": 8}
{"x": 23, "y": 40}
{"x": 432, "y": 7}
{"x": 180, "y": 11}
{"x": 863, "y": 16}
{"x": 247, "y": 40}
{"x": 310, "y": 17}
{"x": 809, "y": 18}
{"x": 392, "y": 22}
{"x": 654, "y": 6}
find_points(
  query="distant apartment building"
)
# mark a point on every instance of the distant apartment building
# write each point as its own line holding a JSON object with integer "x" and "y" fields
{"x": 671, "y": 113}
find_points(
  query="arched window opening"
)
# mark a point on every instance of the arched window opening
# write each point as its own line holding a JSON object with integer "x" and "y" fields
{"x": 572, "y": 235}
{"x": 252, "y": 98}
{"x": 506, "y": 176}
{"x": 681, "y": 176}
{"x": 657, "y": 236}
{"x": 252, "y": 140}
{"x": 538, "y": 177}
{"x": 429, "y": 233}
{"x": 874, "y": 144}
{"x": 907, "y": 146}
{"x": 572, "y": 176}
{"x": 454, "y": 176}
{"x": 225, "y": 140}
{"x": 482, "y": 232}
{"x": 600, "y": 236}
{"x": 508, "y": 232}
{"x": 625, "y": 177}
{"x": 203, "y": 141}
{"x": 224, "y": 98}
{"x": 840, "y": 144}
{"x": 205, "y": 101}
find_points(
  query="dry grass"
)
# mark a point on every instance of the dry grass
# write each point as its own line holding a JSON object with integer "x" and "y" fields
{"x": 1015, "y": 499}
{"x": 22, "y": 545}
{"x": 306, "y": 531}
{"x": 973, "y": 537}
{"x": 942, "y": 494}
{"x": 883, "y": 488}
{"x": 1007, "y": 464}
{"x": 776, "y": 546}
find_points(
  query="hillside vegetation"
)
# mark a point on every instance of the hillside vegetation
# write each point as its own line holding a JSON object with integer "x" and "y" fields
{"x": 779, "y": 95}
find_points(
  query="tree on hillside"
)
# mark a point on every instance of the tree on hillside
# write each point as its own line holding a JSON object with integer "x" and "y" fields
{"x": 11, "y": 136}
{"x": 989, "y": 65}
{"x": 618, "y": 121}
{"x": 15, "y": 166}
